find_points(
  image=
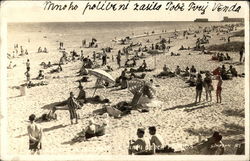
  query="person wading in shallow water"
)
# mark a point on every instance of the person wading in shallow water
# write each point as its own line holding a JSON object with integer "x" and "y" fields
{"x": 35, "y": 135}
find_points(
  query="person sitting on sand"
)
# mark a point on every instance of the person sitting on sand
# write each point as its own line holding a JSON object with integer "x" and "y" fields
{"x": 73, "y": 106}
{"x": 35, "y": 134}
{"x": 193, "y": 70}
{"x": 178, "y": 70}
{"x": 45, "y": 50}
{"x": 228, "y": 57}
{"x": 199, "y": 86}
{"x": 124, "y": 79}
{"x": 232, "y": 71}
{"x": 26, "y": 52}
{"x": 212, "y": 145}
{"x": 140, "y": 144}
{"x": 39, "y": 49}
{"x": 186, "y": 72}
{"x": 224, "y": 74}
{"x": 82, "y": 93}
{"x": 40, "y": 75}
{"x": 214, "y": 57}
{"x": 155, "y": 139}
{"x": 191, "y": 81}
{"x": 143, "y": 67}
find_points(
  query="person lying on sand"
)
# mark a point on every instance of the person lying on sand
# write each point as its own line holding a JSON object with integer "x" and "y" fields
{"x": 42, "y": 83}
{"x": 166, "y": 72}
{"x": 57, "y": 70}
{"x": 92, "y": 130}
{"x": 212, "y": 145}
{"x": 45, "y": 66}
{"x": 51, "y": 115}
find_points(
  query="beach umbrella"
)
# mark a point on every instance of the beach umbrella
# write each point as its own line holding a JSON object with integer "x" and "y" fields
{"x": 140, "y": 86}
{"x": 101, "y": 75}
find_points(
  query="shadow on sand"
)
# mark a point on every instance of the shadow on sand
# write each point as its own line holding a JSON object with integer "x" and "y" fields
{"x": 45, "y": 130}
{"x": 195, "y": 105}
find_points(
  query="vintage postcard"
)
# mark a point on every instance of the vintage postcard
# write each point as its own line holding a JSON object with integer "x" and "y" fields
{"x": 124, "y": 80}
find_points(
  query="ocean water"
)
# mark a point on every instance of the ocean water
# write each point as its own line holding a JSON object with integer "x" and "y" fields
{"x": 72, "y": 33}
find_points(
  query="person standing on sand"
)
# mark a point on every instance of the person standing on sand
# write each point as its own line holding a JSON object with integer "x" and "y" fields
{"x": 104, "y": 58}
{"x": 219, "y": 89}
{"x": 73, "y": 106}
{"x": 27, "y": 74}
{"x": 208, "y": 86}
{"x": 28, "y": 65}
{"x": 118, "y": 58}
{"x": 94, "y": 56}
{"x": 241, "y": 54}
{"x": 35, "y": 134}
{"x": 199, "y": 87}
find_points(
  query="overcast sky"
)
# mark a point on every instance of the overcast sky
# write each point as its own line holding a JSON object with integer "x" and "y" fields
{"x": 33, "y": 11}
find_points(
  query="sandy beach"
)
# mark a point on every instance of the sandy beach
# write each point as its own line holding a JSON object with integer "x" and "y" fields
{"x": 173, "y": 112}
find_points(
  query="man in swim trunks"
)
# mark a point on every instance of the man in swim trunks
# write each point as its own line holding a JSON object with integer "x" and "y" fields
{"x": 219, "y": 89}
{"x": 35, "y": 135}
{"x": 73, "y": 106}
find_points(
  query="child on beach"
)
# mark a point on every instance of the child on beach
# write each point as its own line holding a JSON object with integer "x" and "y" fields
{"x": 140, "y": 144}
{"x": 155, "y": 139}
{"x": 199, "y": 86}
{"x": 35, "y": 135}
{"x": 219, "y": 89}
